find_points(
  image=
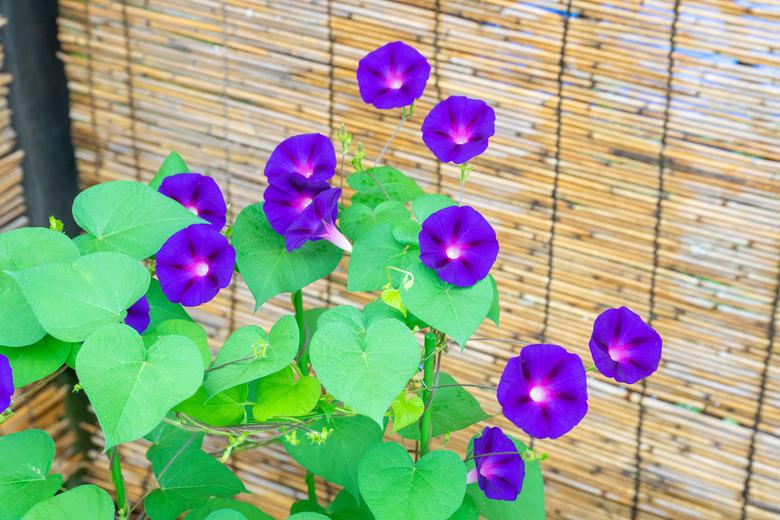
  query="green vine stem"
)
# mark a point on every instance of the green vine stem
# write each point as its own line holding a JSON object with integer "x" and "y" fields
{"x": 119, "y": 482}
{"x": 297, "y": 302}
{"x": 310, "y": 487}
{"x": 429, "y": 367}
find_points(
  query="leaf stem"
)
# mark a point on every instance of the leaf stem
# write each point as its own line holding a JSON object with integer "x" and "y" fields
{"x": 119, "y": 482}
{"x": 310, "y": 487}
{"x": 429, "y": 367}
{"x": 297, "y": 301}
{"x": 487, "y": 387}
{"x": 392, "y": 136}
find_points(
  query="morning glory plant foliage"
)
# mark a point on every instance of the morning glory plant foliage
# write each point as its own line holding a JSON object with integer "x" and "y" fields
{"x": 355, "y": 394}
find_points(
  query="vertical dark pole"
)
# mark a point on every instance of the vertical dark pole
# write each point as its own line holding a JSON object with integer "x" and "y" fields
{"x": 39, "y": 102}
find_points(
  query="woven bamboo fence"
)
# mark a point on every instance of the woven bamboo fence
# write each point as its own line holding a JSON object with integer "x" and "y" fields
{"x": 12, "y": 206}
{"x": 636, "y": 162}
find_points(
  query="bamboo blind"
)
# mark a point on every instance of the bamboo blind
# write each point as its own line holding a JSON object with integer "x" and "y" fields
{"x": 12, "y": 206}
{"x": 635, "y": 162}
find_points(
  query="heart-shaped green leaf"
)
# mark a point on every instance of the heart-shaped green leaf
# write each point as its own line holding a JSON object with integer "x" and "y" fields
{"x": 36, "y": 361}
{"x": 457, "y": 311}
{"x": 220, "y": 504}
{"x": 224, "y": 409}
{"x": 280, "y": 395}
{"x": 22, "y": 249}
{"x": 80, "y": 503}
{"x": 24, "y": 474}
{"x": 189, "y": 329}
{"x": 366, "y": 371}
{"x": 425, "y": 206}
{"x": 249, "y": 354}
{"x": 358, "y": 219}
{"x": 345, "y": 507}
{"x": 265, "y": 264}
{"x": 406, "y": 410}
{"x": 396, "y": 185}
{"x": 337, "y": 458}
{"x": 376, "y": 258}
{"x": 494, "y": 314}
{"x": 128, "y": 217}
{"x": 172, "y": 165}
{"x": 74, "y": 298}
{"x": 132, "y": 386}
{"x": 395, "y": 487}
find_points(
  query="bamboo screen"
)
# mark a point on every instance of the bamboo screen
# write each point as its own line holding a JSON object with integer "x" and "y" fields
{"x": 635, "y": 162}
{"x": 12, "y": 206}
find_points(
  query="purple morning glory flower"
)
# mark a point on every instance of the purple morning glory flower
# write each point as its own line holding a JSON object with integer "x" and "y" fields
{"x": 498, "y": 471}
{"x": 623, "y": 346}
{"x": 458, "y": 128}
{"x": 287, "y": 197}
{"x": 459, "y": 244}
{"x": 310, "y": 156}
{"x": 138, "y": 315}
{"x": 544, "y": 391}
{"x": 392, "y": 76}
{"x": 194, "y": 264}
{"x": 6, "y": 383}
{"x": 199, "y": 194}
{"x": 317, "y": 221}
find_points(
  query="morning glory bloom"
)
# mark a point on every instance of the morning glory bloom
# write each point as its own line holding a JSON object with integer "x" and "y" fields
{"x": 199, "y": 194}
{"x": 392, "y": 76}
{"x": 544, "y": 391}
{"x": 138, "y": 315}
{"x": 623, "y": 346}
{"x": 458, "y": 128}
{"x": 194, "y": 264}
{"x": 459, "y": 244}
{"x": 316, "y": 222}
{"x": 498, "y": 472}
{"x": 287, "y": 197}
{"x": 6, "y": 383}
{"x": 310, "y": 156}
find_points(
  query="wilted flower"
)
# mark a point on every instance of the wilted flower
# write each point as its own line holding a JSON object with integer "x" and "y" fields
{"x": 194, "y": 264}
{"x": 6, "y": 383}
{"x": 310, "y": 156}
{"x": 500, "y": 469}
{"x": 544, "y": 391}
{"x": 392, "y": 76}
{"x": 199, "y": 194}
{"x": 459, "y": 244}
{"x": 138, "y": 315}
{"x": 317, "y": 221}
{"x": 458, "y": 128}
{"x": 288, "y": 197}
{"x": 623, "y": 346}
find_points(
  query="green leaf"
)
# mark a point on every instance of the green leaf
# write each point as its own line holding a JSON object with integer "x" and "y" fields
{"x": 280, "y": 395}
{"x": 366, "y": 371}
{"x": 253, "y": 355}
{"x": 345, "y": 314}
{"x": 22, "y": 249}
{"x": 398, "y": 186}
{"x": 226, "y": 514}
{"x": 467, "y": 510}
{"x": 190, "y": 478}
{"x": 406, "y": 411}
{"x": 529, "y": 504}
{"x": 308, "y": 515}
{"x": 452, "y": 409}
{"x": 224, "y": 409}
{"x": 128, "y": 217}
{"x": 132, "y": 386}
{"x": 74, "y": 298}
{"x": 306, "y": 506}
{"x": 407, "y": 232}
{"x": 187, "y": 328}
{"x": 425, "y": 206}
{"x": 220, "y": 504}
{"x": 372, "y": 256}
{"x": 24, "y": 474}
{"x": 265, "y": 264}
{"x": 337, "y": 459}
{"x": 494, "y": 314}
{"x": 377, "y": 310}
{"x": 160, "y": 308}
{"x": 456, "y": 311}
{"x": 36, "y": 361}
{"x": 395, "y": 487}
{"x": 172, "y": 165}
{"x": 357, "y": 219}
{"x": 80, "y": 503}
{"x": 344, "y": 507}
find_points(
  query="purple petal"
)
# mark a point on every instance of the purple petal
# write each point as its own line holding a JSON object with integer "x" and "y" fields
{"x": 287, "y": 198}
{"x": 500, "y": 474}
{"x": 392, "y": 76}
{"x": 6, "y": 383}
{"x": 310, "y": 156}
{"x": 544, "y": 391}
{"x": 623, "y": 346}
{"x": 458, "y": 129}
{"x": 138, "y": 315}
{"x": 459, "y": 244}
{"x": 198, "y": 193}
{"x": 194, "y": 264}
{"x": 315, "y": 221}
